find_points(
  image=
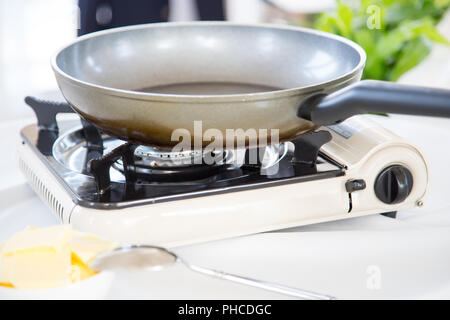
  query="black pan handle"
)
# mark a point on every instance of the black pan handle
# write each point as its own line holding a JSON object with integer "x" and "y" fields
{"x": 370, "y": 96}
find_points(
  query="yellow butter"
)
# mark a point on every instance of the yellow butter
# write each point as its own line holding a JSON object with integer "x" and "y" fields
{"x": 87, "y": 246}
{"x": 7, "y": 285}
{"x": 79, "y": 269}
{"x": 37, "y": 268}
{"x": 55, "y": 237}
{"x": 48, "y": 257}
{"x": 37, "y": 258}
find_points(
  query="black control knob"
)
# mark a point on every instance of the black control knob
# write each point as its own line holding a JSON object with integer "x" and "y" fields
{"x": 393, "y": 184}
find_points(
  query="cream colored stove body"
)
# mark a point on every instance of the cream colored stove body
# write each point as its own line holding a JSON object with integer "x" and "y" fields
{"x": 361, "y": 145}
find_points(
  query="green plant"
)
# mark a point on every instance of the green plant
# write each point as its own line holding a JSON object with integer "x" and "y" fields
{"x": 396, "y": 34}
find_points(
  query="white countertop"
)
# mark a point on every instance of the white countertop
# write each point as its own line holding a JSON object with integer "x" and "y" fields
{"x": 407, "y": 257}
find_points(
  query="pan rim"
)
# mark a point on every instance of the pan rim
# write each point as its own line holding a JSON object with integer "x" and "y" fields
{"x": 258, "y": 96}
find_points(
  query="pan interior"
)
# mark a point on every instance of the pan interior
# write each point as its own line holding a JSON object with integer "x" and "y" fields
{"x": 207, "y": 59}
{"x": 208, "y": 88}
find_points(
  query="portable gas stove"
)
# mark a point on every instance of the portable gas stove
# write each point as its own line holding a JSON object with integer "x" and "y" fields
{"x": 137, "y": 194}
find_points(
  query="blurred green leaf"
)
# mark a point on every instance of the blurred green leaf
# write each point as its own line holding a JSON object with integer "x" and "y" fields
{"x": 366, "y": 39}
{"x": 345, "y": 16}
{"x": 393, "y": 41}
{"x": 339, "y": 22}
{"x": 404, "y": 36}
{"x": 327, "y": 23}
{"x": 427, "y": 29}
{"x": 441, "y": 3}
{"x": 411, "y": 55}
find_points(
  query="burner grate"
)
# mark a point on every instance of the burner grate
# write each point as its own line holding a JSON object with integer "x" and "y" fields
{"x": 46, "y": 112}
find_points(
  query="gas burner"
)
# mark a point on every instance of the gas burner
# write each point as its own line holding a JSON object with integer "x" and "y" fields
{"x": 152, "y": 165}
{"x": 75, "y": 149}
{"x": 150, "y": 160}
{"x": 153, "y": 158}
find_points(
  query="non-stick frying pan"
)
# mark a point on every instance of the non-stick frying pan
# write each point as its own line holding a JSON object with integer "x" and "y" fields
{"x": 141, "y": 83}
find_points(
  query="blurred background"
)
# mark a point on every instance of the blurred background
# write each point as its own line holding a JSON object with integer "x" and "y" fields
{"x": 406, "y": 40}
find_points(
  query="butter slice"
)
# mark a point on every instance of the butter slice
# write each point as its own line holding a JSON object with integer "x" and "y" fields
{"x": 54, "y": 237}
{"x": 79, "y": 269}
{"x": 37, "y": 258}
{"x": 48, "y": 257}
{"x": 87, "y": 246}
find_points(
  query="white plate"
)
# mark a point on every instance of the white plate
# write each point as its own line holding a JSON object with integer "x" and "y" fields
{"x": 93, "y": 288}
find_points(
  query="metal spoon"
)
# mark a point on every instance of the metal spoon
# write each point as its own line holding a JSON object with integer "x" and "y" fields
{"x": 145, "y": 257}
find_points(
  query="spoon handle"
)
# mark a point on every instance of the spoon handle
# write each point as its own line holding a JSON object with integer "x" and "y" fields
{"x": 294, "y": 292}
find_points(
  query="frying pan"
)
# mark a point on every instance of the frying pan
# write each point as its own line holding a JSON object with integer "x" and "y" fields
{"x": 141, "y": 83}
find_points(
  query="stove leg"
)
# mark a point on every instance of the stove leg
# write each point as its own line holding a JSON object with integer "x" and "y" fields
{"x": 392, "y": 214}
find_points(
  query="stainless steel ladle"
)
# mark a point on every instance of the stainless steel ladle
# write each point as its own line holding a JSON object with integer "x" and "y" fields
{"x": 145, "y": 257}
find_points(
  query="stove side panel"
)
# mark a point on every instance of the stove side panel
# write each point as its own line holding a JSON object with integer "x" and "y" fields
{"x": 44, "y": 183}
{"x": 219, "y": 216}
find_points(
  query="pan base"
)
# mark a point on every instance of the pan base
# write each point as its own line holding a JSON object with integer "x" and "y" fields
{"x": 208, "y": 88}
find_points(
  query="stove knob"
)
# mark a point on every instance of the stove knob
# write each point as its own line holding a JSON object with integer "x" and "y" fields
{"x": 394, "y": 184}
